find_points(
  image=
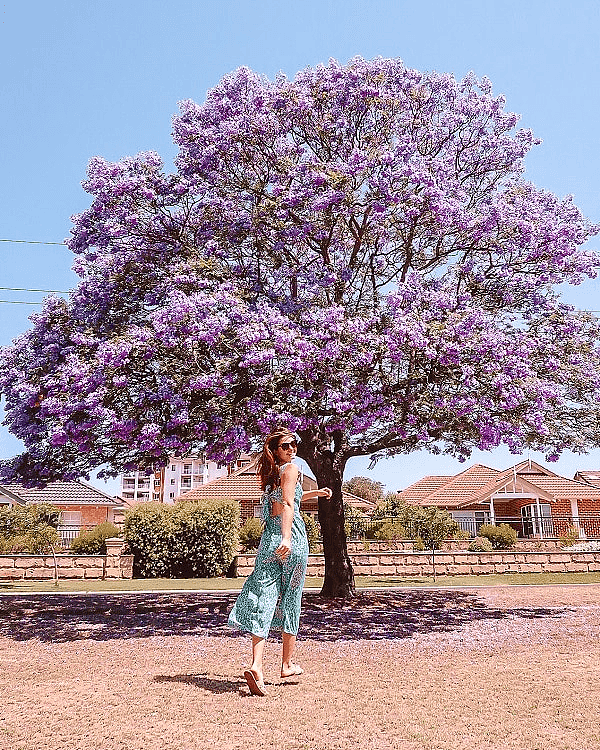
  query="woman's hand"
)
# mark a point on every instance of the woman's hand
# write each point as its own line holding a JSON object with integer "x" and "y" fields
{"x": 326, "y": 493}
{"x": 284, "y": 550}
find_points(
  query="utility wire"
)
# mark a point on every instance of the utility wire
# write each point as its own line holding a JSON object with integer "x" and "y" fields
{"x": 23, "y": 289}
{"x": 35, "y": 242}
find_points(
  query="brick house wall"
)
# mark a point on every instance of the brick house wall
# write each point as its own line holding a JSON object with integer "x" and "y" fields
{"x": 560, "y": 510}
{"x": 91, "y": 515}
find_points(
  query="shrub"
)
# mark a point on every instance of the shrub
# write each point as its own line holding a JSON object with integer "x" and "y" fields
{"x": 149, "y": 532}
{"x": 250, "y": 533}
{"x": 480, "y": 544}
{"x": 570, "y": 537}
{"x": 206, "y": 538}
{"x": 93, "y": 542}
{"x": 502, "y": 536}
{"x": 431, "y": 524}
{"x": 418, "y": 544}
{"x": 189, "y": 539}
{"x": 390, "y": 531}
{"x": 374, "y": 528}
{"x": 312, "y": 531}
{"x": 29, "y": 530}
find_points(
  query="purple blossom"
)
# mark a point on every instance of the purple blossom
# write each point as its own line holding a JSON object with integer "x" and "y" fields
{"x": 354, "y": 252}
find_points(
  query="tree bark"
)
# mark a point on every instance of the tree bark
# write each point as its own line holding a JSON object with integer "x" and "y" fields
{"x": 339, "y": 576}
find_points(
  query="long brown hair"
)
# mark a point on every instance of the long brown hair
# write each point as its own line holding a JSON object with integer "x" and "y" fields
{"x": 268, "y": 468}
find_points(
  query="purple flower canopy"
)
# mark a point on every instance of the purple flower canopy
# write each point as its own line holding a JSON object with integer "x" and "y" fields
{"x": 354, "y": 253}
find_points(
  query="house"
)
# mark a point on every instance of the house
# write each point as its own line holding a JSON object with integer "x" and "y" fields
{"x": 81, "y": 505}
{"x": 243, "y": 485}
{"x": 529, "y": 497}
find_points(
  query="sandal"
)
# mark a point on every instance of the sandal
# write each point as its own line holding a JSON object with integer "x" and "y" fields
{"x": 256, "y": 687}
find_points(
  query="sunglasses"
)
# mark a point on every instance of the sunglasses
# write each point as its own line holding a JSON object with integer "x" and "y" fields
{"x": 287, "y": 446}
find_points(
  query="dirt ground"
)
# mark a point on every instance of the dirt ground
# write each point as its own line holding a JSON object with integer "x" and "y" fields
{"x": 450, "y": 669}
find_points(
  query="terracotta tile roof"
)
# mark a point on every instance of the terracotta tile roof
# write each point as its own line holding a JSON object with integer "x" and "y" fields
{"x": 590, "y": 477}
{"x": 452, "y": 492}
{"x": 561, "y": 488}
{"x": 243, "y": 485}
{"x": 367, "y": 506}
{"x": 61, "y": 493}
{"x": 478, "y": 483}
{"x": 422, "y": 488}
{"x": 474, "y": 481}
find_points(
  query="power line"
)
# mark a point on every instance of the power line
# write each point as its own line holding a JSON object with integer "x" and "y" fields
{"x": 35, "y": 242}
{"x": 23, "y": 289}
{"x": 18, "y": 302}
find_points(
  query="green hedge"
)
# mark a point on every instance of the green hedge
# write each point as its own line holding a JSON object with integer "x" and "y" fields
{"x": 93, "y": 542}
{"x": 186, "y": 540}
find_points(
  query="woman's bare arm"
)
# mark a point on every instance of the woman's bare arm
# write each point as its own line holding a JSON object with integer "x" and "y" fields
{"x": 289, "y": 478}
{"x": 323, "y": 492}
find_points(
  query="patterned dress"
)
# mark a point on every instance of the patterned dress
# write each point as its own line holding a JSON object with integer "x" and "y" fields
{"x": 272, "y": 594}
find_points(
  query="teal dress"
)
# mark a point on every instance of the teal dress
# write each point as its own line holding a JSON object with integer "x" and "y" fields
{"x": 272, "y": 594}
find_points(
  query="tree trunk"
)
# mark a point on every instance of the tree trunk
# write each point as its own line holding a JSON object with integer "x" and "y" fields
{"x": 339, "y": 577}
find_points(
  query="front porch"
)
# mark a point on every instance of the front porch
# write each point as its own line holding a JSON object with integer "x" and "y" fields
{"x": 529, "y": 525}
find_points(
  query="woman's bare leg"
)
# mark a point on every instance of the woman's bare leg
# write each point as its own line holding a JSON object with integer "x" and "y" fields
{"x": 288, "y": 668}
{"x": 258, "y": 650}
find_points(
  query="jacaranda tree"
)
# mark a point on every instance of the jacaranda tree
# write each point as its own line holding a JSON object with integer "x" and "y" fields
{"x": 355, "y": 254}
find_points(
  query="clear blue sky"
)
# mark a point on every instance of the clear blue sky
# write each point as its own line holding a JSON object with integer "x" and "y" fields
{"x": 88, "y": 77}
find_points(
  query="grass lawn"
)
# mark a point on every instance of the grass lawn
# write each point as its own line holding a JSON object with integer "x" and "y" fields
{"x": 232, "y": 584}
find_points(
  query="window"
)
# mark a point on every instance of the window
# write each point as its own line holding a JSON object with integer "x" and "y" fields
{"x": 70, "y": 518}
{"x": 171, "y": 494}
{"x": 172, "y": 481}
{"x": 535, "y": 524}
{"x": 173, "y": 467}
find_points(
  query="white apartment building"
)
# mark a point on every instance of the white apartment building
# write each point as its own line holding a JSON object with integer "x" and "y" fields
{"x": 181, "y": 475}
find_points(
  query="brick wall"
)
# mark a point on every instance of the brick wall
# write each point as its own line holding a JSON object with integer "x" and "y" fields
{"x": 40, "y": 567}
{"x": 90, "y": 515}
{"x": 453, "y": 563}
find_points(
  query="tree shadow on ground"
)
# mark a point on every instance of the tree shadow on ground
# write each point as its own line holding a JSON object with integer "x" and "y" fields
{"x": 371, "y": 615}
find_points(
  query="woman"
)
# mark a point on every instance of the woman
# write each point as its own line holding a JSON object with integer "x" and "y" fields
{"x": 272, "y": 594}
